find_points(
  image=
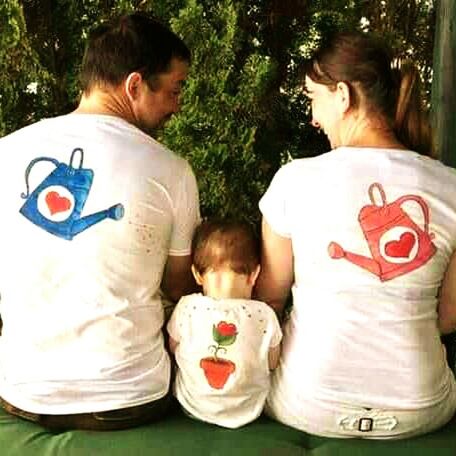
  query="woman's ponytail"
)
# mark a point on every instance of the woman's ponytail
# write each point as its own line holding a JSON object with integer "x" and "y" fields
{"x": 411, "y": 123}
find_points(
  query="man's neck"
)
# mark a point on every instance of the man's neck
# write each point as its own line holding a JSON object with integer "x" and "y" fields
{"x": 112, "y": 103}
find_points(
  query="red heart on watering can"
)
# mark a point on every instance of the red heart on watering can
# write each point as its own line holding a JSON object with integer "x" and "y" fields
{"x": 57, "y": 203}
{"x": 402, "y": 247}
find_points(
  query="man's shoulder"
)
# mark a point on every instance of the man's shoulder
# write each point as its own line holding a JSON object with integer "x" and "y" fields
{"x": 132, "y": 136}
{"x": 26, "y": 130}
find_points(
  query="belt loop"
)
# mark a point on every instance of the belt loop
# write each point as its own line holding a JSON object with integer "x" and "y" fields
{"x": 365, "y": 424}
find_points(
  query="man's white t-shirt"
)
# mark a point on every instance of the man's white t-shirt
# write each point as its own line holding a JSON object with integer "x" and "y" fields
{"x": 222, "y": 357}
{"x": 372, "y": 232}
{"x": 91, "y": 210}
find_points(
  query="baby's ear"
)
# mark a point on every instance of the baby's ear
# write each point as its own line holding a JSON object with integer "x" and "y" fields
{"x": 197, "y": 275}
{"x": 254, "y": 275}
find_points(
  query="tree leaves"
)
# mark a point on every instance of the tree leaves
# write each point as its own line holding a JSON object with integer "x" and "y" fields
{"x": 244, "y": 113}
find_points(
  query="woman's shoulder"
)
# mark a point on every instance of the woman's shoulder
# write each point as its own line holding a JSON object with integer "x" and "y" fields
{"x": 295, "y": 167}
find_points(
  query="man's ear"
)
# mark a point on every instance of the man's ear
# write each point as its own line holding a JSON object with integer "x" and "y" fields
{"x": 132, "y": 85}
{"x": 197, "y": 275}
{"x": 343, "y": 97}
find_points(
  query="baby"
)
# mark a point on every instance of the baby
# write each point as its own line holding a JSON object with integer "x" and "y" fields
{"x": 224, "y": 342}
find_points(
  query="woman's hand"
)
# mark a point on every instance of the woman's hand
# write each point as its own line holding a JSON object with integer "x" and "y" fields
{"x": 447, "y": 303}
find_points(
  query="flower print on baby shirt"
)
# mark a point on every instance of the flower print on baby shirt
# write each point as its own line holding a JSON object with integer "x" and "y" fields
{"x": 397, "y": 244}
{"x": 217, "y": 370}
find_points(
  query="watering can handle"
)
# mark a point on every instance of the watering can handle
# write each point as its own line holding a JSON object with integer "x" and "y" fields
{"x": 379, "y": 187}
{"x": 422, "y": 204}
{"x": 29, "y": 168}
{"x": 78, "y": 149}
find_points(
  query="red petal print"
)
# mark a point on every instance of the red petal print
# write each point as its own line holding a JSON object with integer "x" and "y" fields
{"x": 226, "y": 329}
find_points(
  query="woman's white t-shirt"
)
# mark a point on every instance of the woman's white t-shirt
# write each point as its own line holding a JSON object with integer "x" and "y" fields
{"x": 372, "y": 232}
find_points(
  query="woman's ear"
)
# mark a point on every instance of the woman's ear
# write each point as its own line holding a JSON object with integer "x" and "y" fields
{"x": 132, "y": 85}
{"x": 197, "y": 275}
{"x": 343, "y": 97}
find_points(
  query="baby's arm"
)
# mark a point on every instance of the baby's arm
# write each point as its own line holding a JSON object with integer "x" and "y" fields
{"x": 274, "y": 356}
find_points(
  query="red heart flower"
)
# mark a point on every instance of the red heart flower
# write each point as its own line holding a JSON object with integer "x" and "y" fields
{"x": 226, "y": 329}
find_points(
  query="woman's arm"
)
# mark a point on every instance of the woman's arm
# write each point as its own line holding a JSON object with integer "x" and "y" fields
{"x": 274, "y": 357}
{"x": 276, "y": 275}
{"x": 447, "y": 304}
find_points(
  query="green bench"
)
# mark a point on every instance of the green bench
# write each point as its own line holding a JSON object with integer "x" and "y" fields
{"x": 180, "y": 435}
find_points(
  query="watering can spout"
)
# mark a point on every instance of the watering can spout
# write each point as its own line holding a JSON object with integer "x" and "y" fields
{"x": 115, "y": 212}
{"x": 336, "y": 252}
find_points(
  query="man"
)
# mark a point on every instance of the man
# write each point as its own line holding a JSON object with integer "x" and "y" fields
{"x": 97, "y": 222}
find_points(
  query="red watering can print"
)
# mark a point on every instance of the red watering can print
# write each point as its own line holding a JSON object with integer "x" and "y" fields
{"x": 397, "y": 244}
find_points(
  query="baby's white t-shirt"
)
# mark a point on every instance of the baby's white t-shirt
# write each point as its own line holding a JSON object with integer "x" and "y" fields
{"x": 222, "y": 357}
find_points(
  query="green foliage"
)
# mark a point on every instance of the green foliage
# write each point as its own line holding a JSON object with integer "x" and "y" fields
{"x": 12, "y": 24}
{"x": 218, "y": 126}
{"x": 243, "y": 113}
{"x": 17, "y": 64}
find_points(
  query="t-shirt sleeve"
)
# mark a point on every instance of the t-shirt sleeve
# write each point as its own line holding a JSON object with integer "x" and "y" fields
{"x": 276, "y": 336}
{"x": 273, "y": 204}
{"x": 186, "y": 213}
{"x": 175, "y": 322}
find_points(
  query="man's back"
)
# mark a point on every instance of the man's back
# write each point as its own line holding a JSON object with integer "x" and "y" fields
{"x": 92, "y": 207}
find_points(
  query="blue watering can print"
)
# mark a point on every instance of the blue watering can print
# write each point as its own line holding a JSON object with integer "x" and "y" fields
{"x": 57, "y": 203}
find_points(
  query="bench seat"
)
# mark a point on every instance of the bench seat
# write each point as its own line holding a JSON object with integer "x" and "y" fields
{"x": 179, "y": 435}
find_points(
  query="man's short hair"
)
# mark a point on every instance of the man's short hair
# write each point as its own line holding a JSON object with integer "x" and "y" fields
{"x": 129, "y": 43}
{"x": 225, "y": 243}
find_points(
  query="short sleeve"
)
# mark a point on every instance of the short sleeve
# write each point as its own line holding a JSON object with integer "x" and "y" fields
{"x": 186, "y": 213}
{"x": 175, "y": 322}
{"x": 273, "y": 204}
{"x": 276, "y": 336}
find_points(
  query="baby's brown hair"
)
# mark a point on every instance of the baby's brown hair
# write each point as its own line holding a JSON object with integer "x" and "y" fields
{"x": 225, "y": 242}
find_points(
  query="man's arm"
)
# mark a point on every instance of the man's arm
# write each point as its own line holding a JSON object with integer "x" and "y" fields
{"x": 447, "y": 303}
{"x": 276, "y": 276}
{"x": 177, "y": 278}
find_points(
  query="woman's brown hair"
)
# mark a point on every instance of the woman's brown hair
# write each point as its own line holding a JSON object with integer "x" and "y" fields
{"x": 386, "y": 87}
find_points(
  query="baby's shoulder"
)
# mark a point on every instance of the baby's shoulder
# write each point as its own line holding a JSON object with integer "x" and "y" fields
{"x": 258, "y": 307}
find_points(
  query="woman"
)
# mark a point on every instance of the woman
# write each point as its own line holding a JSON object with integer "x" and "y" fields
{"x": 365, "y": 236}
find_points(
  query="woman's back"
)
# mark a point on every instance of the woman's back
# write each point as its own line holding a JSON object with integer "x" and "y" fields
{"x": 372, "y": 233}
